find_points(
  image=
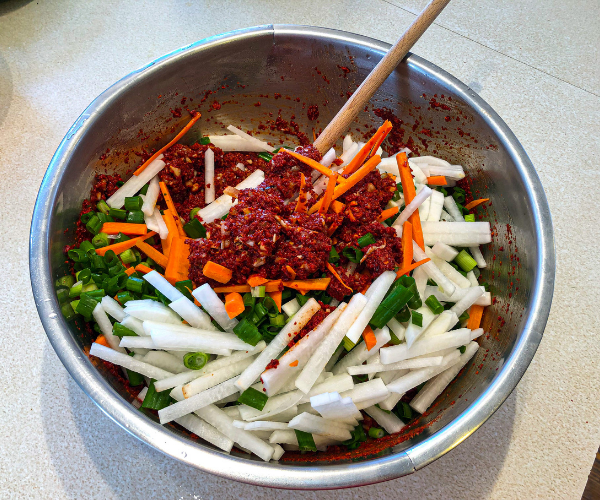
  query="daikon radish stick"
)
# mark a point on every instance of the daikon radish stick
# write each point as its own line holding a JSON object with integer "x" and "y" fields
{"x": 413, "y": 332}
{"x": 390, "y": 422}
{"x": 418, "y": 174}
{"x": 327, "y": 347}
{"x": 194, "y": 340}
{"x": 349, "y": 153}
{"x": 135, "y": 183}
{"x": 334, "y": 358}
{"x": 448, "y": 271}
{"x": 234, "y": 143}
{"x": 421, "y": 278}
{"x": 412, "y": 364}
{"x": 214, "y": 306}
{"x": 467, "y": 300}
{"x": 391, "y": 401}
{"x": 134, "y": 324}
{"x": 388, "y": 376}
{"x": 279, "y": 343}
{"x": 455, "y": 338}
{"x": 416, "y": 377}
{"x": 190, "y": 312}
{"x": 424, "y": 208}
{"x": 251, "y": 139}
{"x": 347, "y": 143}
{"x": 441, "y": 324}
{"x": 151, "y": 196}
{"x": 264, "y": 425}
{"x": 443, "y": 251}
{"x": 417, "y": 201}
{"x": 213, "y": 378}
{"x": 113, "y": 308}
{"x": 360, "y": 354}
{"x": 478, "y": 256}
{"x": 137, "y": 343}
{"x": 328, "y": 158}
{"x": 232, "y": 411}
{"x": 436, "y": 206}
{"x": 274, "y": 379}
{"x": 290, "y": 385}
{"x": 435, "y": 386}
{"x": 209, "y": 176}
{"x": 159, "y": 282}
{"x": 456, "y": 214}
{"x": 106, "y": 328}
{"x": 289, "y": 437}
{"x": 166, "y": 361}
{"x": 396, "y": 328}
{"x": 152, "y": 311}
{"x": 472, "y": 278}
{"x": 338, "y": 383}
{"x": 318, "y": 425}
{"x": 454, "y": 172}
{"x": 163, "y": 230}
{"x": 446, "y": 217}
{"x": 290, "y": 308}
{"x": 377, "y": 292}
{"x": 275, "y": 405}
{"x": 366, "y": 391}
{"x": 205, "y": 431}
{"x": 126, "y": 361}
{"x": 432, "y": 270}
{"x": 458, "y": 294}
{"x": 375, "y": 360}
{"x": 333, "y": 407}
{"x": 361, "y": 405}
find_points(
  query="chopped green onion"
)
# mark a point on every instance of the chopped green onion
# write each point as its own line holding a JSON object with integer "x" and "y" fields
{"x": 287, "y": 294}
{"x": 404, "y": 315}
{"x": 133, "y": 203}
{"x": 399, "y": 187}
{"x": 127, "y": 256}
{"x": 104, "y": 218}
{"x": 67, "y": 281}
{"x": 195, "y": 229}
{"x": 358, "y": 436}
{"x": 204, "y": 141}
{"x": 110, "y": 258}
{"x": 85, "y": 275}
{"x": 75, "y": 290}
{"x": 278, "y": 320}
{"x": 430, "y": 282}
{"x": 465, "y": 261}
{"x": 394, "y": 340}
{"x": 100, "y": 240}
{"x": 156, "y": 400}
{"x": 77, "y": 255}
{"x": 74, "y": 304}
{"x": 306, "y": 441}
{"x": 348, "y": 344}
{"x": 151, "y": 297}
{"x": 95, "y": 294}
{"x": 409, "y": 282}
{"x": 376, "y": 432}
{"x": 135, "y": 378}
{"x": 247, "y": 332}
{"x": 86, "y": 305}
{"x": 266, "y": 156}
{"x": 193, "y": 212}
{"x": 135, "y": 217}
{"x": 121, "y": 237}
{"x": 89, "y": 287}
{"x": 118, "y": 213}
{"x": 462, "y": 349}
{"x": 334, "y": 257}
{"x": 85, "y": 218}
{"x": 62, "y": 294}
{"x": 135, "y": 285}
{"x": 403, "y": 411}
{"x": 67, "y": 311}
{"x": 253, "y": 398}
{"x": 302, "y": 299}
{"x": 391, "y": 305}
{"x": 124, "y": 297}
{"x": 184, "y": 287}
{"x": 116, "y": 269}
{"x": 417, "y": 318}
{"x": 353, "y": 254}
{"x": 396, "y": 195}
{"x": 434, "y": 305}
{"x": 367, "y": 239}
{"x": 122, "y": 331}
{"x": 459, "y": 195}
{"x": 463, "y": 317}
{"x": 249, "y": 300}
{"x": 195, "y": 360}
{"x": 144, "y": 189}
{"x": 258, "y": 291}
{"x": 260, "y": 311}
{"x": 94, "y": 225}
{"x": 269, "y": 304}
{"x": 103, "y": 207}
{"x": 470, "y": 218}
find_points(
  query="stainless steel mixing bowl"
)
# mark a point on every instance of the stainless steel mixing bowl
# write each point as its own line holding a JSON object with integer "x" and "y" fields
{"x": 246, "y": 67}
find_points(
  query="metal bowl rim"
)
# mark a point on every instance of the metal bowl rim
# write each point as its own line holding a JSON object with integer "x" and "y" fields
{"x": 275, "y": 475}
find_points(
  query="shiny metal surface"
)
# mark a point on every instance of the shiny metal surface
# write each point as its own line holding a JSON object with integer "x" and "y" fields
{"x": 243, "y": 68}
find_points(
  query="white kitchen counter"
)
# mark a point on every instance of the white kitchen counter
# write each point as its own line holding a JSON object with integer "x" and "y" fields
{"x": 536, "y": 63}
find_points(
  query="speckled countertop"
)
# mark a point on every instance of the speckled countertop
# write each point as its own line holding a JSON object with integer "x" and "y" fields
{"x": 536, "y": 63}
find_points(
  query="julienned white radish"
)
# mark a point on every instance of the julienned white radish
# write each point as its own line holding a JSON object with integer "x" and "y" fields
{"x": 410, "y": 209}
{"x": 159, "y": 282}
{"x": 290, "y": 308}
{"x": 455, "y": 338}
{"x": 421, "y": 278}
{"x": 205, "y": 431}
{"x": 126, "y": 361}
{"x": 444, "y": 252}
{"x": 166, "y": 361}
{"x": 377, "y": 292}
{"x": 134, "y": 324}
{"x": 396, "y": 328}
{"x": 215, "y": 377}
{"x": 318, "y": 425}
{"x": 274, "y": 406}
{"x": 334, "y": 358}
{"x": 214, "y": 306}
{"x": 106, "y": 328}
{"x": 388, "y": 376}
{"x": 424, "y": 208}
{"x": 413, "y": 332}
{"x": 349, "y": 153}
{"x": 224, "y": 203}
{"x": 467, "y": 300}
{"x": 390, "y": 422}
{"x": 347, "y": 143}
{"x": 151, "y": 196}
{"x": 456, "y": 214}
{"x": 234, "y": 143}
{"x": 360, "y": 354}
{"x": 458, "y": 294}
{"x": 472, "y": 278}
{"x": 288, "y": 437}
{"x": 446, "y": 217}
{"x": 191, "y": 313}
{"x": 209, "y": 176}
{"x": 329, "y": 344}
{"x": 251, "y": 139}
{"x": 152, "y": 311}
{"x": 264, "y": 425}
{"x": 441, "y": 324}
{"x": 275, "y": 378}
{"x": 448, "y": 271}
{"x": 458, "y": 239}
{"x": 432, "y": 270}
{"x": 332, "y": 406}
{"x": 478, "y": 256}
{"x": 137, "y": 343}
{"x": 412, "y": 364}
{"x": 435, "y": 386}
{"x": 279, "y": 343}
{"x": 361, "y": 405}
{"x": 290, "y": 385}
{"x": 113, "y": 308}
{"x": 436, "y": 206}
{"x": 194, "y": 340}
{"x": 232, "y": 411}
{"x": 418, "y": 174}
{"x": 366, "y": 391}
{"x": 417, "y": 377}
{"x": 454, "y": 172}
{"x": 338, "y": 383}
{"x": 135, "y": 183}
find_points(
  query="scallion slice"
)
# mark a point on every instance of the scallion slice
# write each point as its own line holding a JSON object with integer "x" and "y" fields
{"x": 193, "y": 212}
{"x": 278, "y": 320}
{"x": 124, "y": 297}
{"x": 417, "y": 318}
{"x": 86, "y": 305}
{"x": 348, "y": 344}
{"x": 122, "y": 331}
{"x": 118, "y": 213}
{"x": 94, "y": 225}
{"x": 367, "y": 239}
{"x": 465, "y": 261}
{"x": 376, "y": 432}
{"x": 195, "y": 360}
{"x": 67, "y": 281}
{"x": 127, "y": 256}
{"x": 334, "y": 257}
{"x": 248, "y": 332}
{"x": 67, "y": 311}
{"x": 470, "y": 218}
{"x": 133, "y": 203}
{"x": 434, "y": 305}
{"x": 353, "y": 254}
{"x": 135, "y": 217}
{"x": 103, "y": 207}
{"x": 75, "y": 290}
{"x": 253, "y": 398}
{"x": 135, "y": 285}
{"x": 306, "y": 441}
{"x": 156, "y": 400}
{"x": 265, "y": 156}
{"x": 100, "y": 240}
{"x": 391, "y": 305}
{"x": 258, "y": 291}
{"x": 195, "y": 229}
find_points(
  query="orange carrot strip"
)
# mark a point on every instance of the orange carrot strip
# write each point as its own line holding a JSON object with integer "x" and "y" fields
{"x": 173, "y": 231}
{"x": 271, "y": 286}
{"x": 301, "y": 203}
{"x": 217, "y": 272}
{"x": 328, "y": 196}
{"x": 277, "y": 298}
{"x": 169, "y": 201}
{"x": 408, "y": 269}
{"x": 294, "y": 363}
{"x": 310, "y": 162}
{"x": 409, "y": 193}
{"x": 407, "y": 244}
{"x": 369, "y": 337}
{"x": 178, "y": 264}
{"x": 354, "y": 179}
{"x": 372, "y": 145}
{"x": 123, "y": 245}
{"x": 123, "y": 227}
{"x": 315, "y": 284}
{"x": 141, "y": 268}
{"x": 475, "y": 315}
{"x": 337, "y": 206}
{"x": 291, "y": 271}
{"x": 386, "y": 214}
{"x": 256, "y": 280}
{"x": 155, "y": 255}
{"x": 129, "y": 271}
{"x": 475, "y": 203}
{"x": 194, "y": 119}
{"x": 234, "y": 304}
{"x": 334, "y": 272}
{"x": 101, "y": 339}
{"x": 437, "y": 180}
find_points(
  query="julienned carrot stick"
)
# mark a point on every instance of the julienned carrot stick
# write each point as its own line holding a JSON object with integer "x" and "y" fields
{"x": 291, "y": 271}
{"x": 294, "y": 363}
{"x": 305, "y": 285}
{"x": 369, "y": 337}
{"x": 123, "y": 245}
{"x": 408, "y": 188}
{"x": 301, "y": 203}
{"x": 234, "y": 304}
{"x": 408, "y": 269}
{"x": 437, "y": 180}
{"x": 334, "y": 272}
{"x": 475, "y": 203}
{"x": 155, "y": 255}
{"x": 217, "y": 272}
{"x": 372, "y": 145}
{"x": 256, "y": 280}
{"x": 129, "y": 271}
{"x": 178, "y": 265}
{"x": 141, "y": 268}
{"x": 194, "y": 119}
{"x": 354, "y": 179}
{"x": 475, "y": 315}
{"x": 310, "y": 162}
{"x": 271, "y": 286}
{"x": 123, "y": 227}
{"x": 169, "y": 201}
{"x": 173, "y": 231}
{"x": 386, "y": 214}
{"x": 407, "y": 244}
{"x": 277, "y": 298}
{"x": 101, "y": 339}
{"x": 328, "y": 196}
{"x": 337, "y": 206}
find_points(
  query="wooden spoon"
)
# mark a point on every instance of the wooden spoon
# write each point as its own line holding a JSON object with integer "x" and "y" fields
{"x": 377, "y": 76}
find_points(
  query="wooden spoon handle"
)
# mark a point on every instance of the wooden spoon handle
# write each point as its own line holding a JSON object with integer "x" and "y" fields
{"x": 377, "y": 76}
